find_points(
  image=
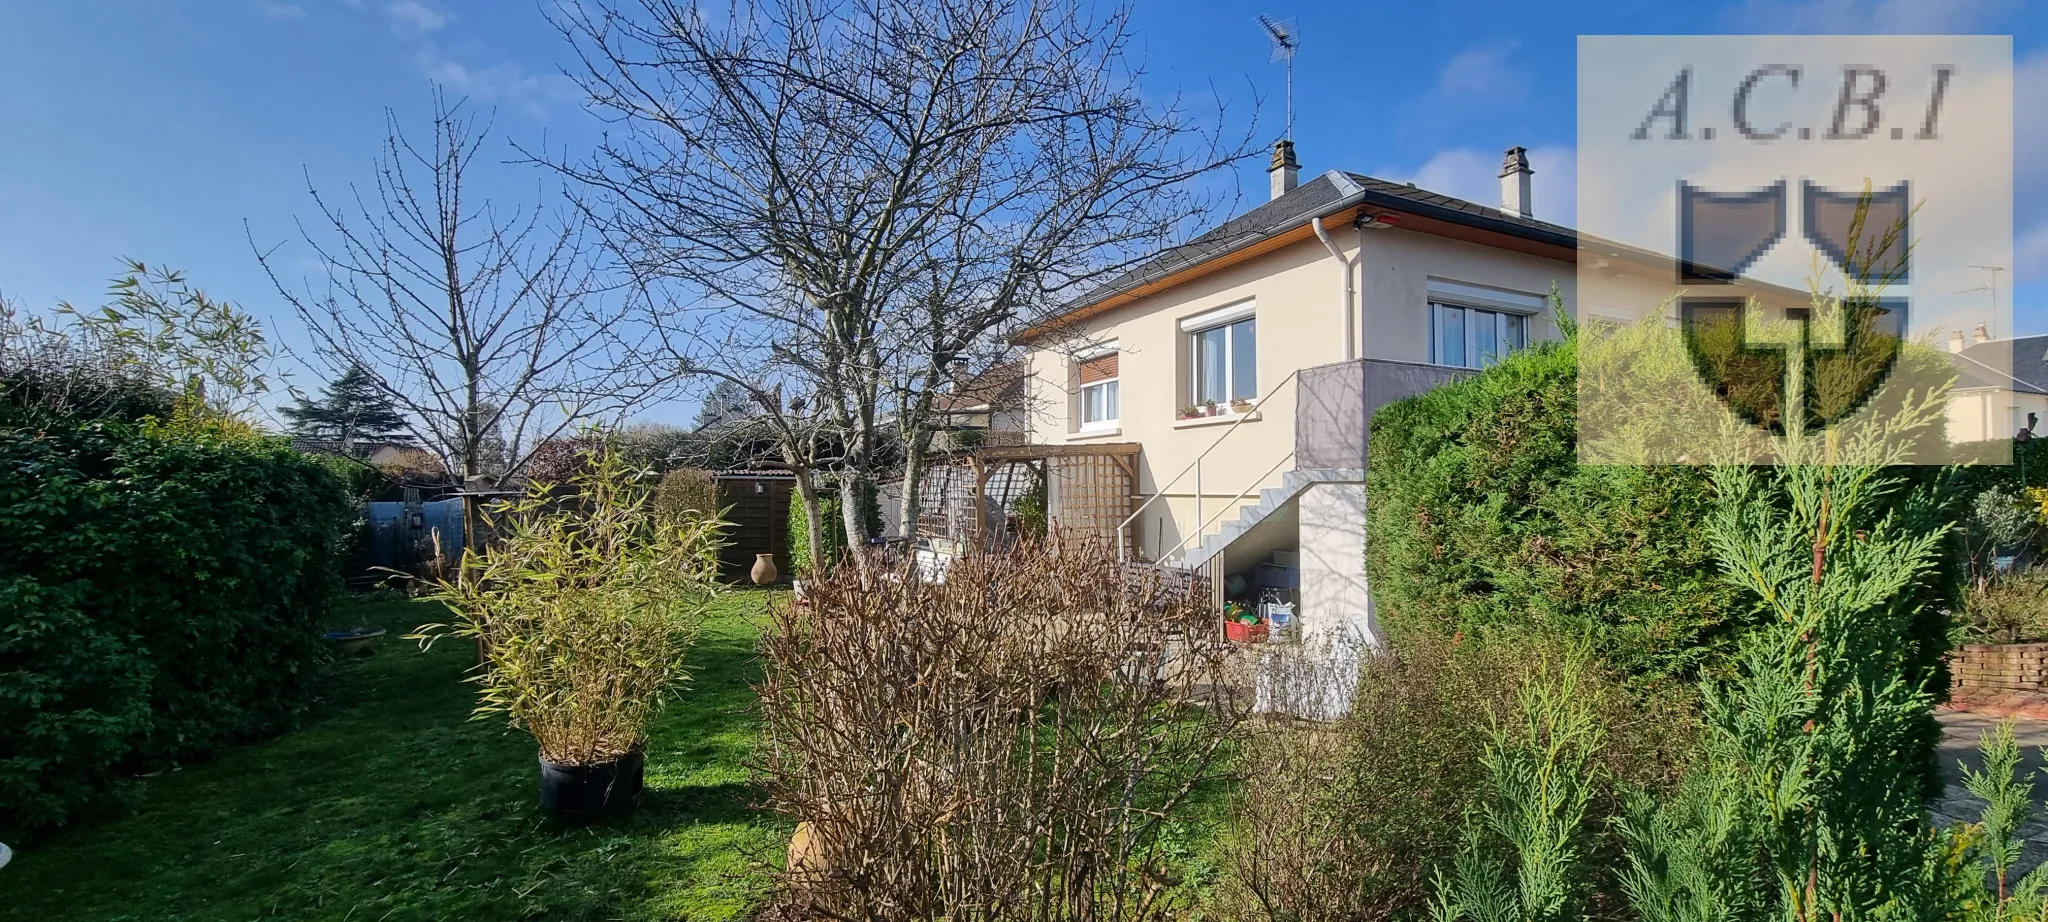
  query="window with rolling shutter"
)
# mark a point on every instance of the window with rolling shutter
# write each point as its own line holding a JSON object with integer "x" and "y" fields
{"x": 1099, "y": 392}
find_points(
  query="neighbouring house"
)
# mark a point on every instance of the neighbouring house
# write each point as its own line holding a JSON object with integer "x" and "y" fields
{"x": 1999, "y": 382}
{"x": 1240, "y": 369}
{"x": 990, "y": 408}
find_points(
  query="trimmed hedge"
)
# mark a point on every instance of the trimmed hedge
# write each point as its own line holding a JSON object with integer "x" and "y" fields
{"x": 159, "y": 600}
{"x": 1480, "y": 517}
{"x": 833, "y": 530}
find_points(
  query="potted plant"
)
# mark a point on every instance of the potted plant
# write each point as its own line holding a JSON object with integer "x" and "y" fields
{"x": 584, "y": 612}
{"x": 1210, "y": 408}
{"x": 1190, "y": 412}
{"x": 1240, "y": 405}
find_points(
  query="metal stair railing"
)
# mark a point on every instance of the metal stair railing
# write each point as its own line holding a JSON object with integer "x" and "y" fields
{"x": 1123, "y": 530}
{"x": 1229, "y": 506}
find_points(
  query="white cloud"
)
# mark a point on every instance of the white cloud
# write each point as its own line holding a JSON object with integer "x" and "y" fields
{"x": 1473, "y": 85}
{"x": 1864, "y": 16}
{"x": 276, "y": 10}
{"x": 1474, "y": 175}
{"x": 423, "y": 26}
{"x": 507, "y": 83}
{"x": 414, "y": 17}
{"x": 1482, "y": 71}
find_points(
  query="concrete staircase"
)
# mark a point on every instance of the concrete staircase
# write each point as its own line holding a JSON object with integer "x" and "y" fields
{"x": 1271, "y": 500}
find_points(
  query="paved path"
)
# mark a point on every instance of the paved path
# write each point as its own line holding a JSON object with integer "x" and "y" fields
{"x": 1961, "y": 731}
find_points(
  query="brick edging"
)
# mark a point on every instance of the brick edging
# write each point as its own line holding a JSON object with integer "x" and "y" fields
{"x": 1981, "y": 668}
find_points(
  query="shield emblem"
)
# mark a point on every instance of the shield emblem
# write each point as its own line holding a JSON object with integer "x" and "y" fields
{"x": 1836, "y": 379}
{"x": 1721, "y": 233}
{"x": 1865, "y": 233}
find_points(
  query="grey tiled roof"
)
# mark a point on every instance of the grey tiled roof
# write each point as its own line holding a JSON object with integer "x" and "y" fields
{"x": 1313, "y": 198}
{"x": 2026, "y": 357}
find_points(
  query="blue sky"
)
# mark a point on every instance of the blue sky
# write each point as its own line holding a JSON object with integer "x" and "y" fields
{"x": 158, "y": 130}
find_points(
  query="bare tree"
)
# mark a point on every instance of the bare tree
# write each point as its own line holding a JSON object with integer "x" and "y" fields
{"x": 852, "y": 194}
{"x": 494, "y": 331}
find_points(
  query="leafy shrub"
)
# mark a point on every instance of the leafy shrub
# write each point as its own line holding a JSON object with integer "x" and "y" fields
{"x": 801, "y": 560}
{"x": 159, "y": 600}
{"x": 686, "y": 490}
{"x": 1012, "y": 743}
{"x": 1481, "y": 518}
{"x": 584, "y": 610}
{"x": 2000, "y": 523}
{"x": 2009, "y": 609}
{"x": 1352, "y": 820}
{"x": 38, "y": 392}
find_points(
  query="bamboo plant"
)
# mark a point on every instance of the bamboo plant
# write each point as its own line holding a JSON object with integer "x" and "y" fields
{"x": 583, "y": 611}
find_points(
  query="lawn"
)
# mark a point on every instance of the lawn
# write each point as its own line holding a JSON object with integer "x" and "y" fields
{"x": 392, "y": 805}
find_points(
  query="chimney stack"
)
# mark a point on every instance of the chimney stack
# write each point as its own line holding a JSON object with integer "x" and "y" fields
{"x": 1983, "y": 334}
{"x": 1285, "y": 171}
{"x": 1955, "y": 341}
{"x": 1514, "y": 182}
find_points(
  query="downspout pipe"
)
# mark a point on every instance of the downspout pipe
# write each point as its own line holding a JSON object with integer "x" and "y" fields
{"x": 1350, "y": 292}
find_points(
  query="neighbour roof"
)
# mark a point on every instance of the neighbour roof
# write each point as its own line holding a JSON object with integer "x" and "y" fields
{"x": 1002, "y": 384}
{"x": 333, "y": 446}
{"x": 1319, "y": 197}
{"x": 1986, "y": 365}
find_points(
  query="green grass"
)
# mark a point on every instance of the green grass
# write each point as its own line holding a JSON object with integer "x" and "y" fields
{"x": 394, "y": 806}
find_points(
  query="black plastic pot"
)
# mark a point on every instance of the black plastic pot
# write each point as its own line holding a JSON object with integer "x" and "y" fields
{"x": 592, "y": 791}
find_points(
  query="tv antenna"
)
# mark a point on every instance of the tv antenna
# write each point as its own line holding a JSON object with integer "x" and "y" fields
{"x": 1286, "y": 39}
{"x": 1993, "y": 286}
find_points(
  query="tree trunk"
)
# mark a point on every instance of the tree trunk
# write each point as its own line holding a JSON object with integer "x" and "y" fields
{"x": 913, "y": 488}
{"x": 917, "y": 442}
{"x": 850, "y": 483}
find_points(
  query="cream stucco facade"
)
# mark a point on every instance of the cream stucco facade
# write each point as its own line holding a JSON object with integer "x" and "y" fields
{"x": 1297, "y": 296}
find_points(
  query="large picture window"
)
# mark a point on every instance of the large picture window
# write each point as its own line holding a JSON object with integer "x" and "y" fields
{"x": 1225, "y": 362}
{"x": 1471, "y": 337}
{"x": 1099, "y": 397}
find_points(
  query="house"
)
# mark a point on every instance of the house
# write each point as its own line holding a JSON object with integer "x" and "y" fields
{"x": 1244, "y": 366}
{"x": 990, "y": 408}
{"x": 1999, "y": 382}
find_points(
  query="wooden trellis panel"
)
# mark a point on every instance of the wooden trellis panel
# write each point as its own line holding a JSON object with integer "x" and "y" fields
{"x": 972, "y": 497}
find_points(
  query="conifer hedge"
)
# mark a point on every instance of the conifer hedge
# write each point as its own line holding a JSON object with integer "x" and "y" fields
{"x": 160, "y": 599}
{"x": 1480, "y": 519}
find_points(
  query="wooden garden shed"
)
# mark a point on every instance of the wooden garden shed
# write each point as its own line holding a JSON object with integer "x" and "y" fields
{"x": 757, "y": 504}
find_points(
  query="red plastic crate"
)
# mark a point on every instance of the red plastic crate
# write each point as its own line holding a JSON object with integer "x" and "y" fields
{"x": 1239, "y": 632}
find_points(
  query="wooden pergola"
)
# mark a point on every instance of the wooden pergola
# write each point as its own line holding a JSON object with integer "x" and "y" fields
{"x": 971, "y": 496}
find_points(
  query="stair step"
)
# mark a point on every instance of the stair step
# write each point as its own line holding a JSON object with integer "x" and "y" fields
{"x": 1271, "y": 499}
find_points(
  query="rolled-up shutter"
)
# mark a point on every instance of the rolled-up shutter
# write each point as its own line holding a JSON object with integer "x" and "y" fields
{"x": 1101, "y": 368}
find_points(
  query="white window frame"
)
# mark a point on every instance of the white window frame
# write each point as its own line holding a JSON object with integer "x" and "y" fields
{"x": 1472, "y": 358}
{"x": 1115, "y": 421}
{"x": 1223, "y": 317}
{"x": 1477, "y": 301}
